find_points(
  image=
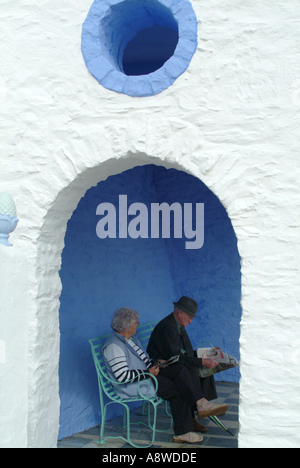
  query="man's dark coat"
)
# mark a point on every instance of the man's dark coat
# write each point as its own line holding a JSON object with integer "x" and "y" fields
{"x": 167, "y": 340}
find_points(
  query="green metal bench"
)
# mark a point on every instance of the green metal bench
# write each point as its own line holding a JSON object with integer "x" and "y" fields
{"x": 107, "y": 388}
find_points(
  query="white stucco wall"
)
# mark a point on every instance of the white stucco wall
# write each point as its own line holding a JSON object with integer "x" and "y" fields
{"x": 232, "y": 119}
{"x": 13, "y": 348}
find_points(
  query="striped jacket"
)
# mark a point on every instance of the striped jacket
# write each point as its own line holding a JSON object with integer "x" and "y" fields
{"x": 126, "y": 360}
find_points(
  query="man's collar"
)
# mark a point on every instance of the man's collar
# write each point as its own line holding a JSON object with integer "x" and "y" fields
{"x": 178, "y": 324}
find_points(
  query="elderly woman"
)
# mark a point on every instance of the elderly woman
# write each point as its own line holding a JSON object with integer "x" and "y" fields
{"x": 124, "y": 357}
{"x": 125, "y": 360}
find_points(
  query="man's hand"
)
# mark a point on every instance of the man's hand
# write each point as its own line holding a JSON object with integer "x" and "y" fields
{"x": 209, "y": 363}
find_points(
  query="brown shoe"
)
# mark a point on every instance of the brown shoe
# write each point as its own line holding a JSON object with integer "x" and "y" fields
{"x": 215, "y": 410}
{"x": 198, "y": 427}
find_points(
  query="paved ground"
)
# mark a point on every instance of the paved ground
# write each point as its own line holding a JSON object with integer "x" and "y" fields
{"x": 215, "y": 437}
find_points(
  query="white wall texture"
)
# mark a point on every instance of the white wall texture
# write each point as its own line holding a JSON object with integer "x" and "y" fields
{"x": 232, "y": 119}
{"x": 13, "y": 348}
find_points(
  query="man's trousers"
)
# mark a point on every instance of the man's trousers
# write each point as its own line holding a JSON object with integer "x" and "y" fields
{"x": 182, "y": 387}
{"x": 176, "y": 385}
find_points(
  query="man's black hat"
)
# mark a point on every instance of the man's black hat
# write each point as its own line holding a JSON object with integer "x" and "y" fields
{"x": 188, "y": 305}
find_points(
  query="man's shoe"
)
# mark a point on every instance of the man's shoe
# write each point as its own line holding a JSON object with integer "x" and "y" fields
{"x": 189, "y": 438}
{"x": 198, "y": 427}
{"x": 214, "y": 410}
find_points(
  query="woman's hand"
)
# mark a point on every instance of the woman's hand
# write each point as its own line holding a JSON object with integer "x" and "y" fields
{"x": 154, "y": 370}
{"x": 161, "y": 361}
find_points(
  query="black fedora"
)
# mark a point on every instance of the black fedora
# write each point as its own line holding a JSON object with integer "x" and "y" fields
{"x": 188, "y": 305}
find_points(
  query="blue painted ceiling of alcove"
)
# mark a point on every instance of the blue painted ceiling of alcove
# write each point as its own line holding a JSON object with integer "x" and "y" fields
{"x": 100, "y": 275}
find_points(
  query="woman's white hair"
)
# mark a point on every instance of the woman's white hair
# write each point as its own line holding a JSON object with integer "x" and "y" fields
{"x": 123, "y": 319}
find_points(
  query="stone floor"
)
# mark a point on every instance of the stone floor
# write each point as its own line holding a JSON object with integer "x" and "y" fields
{"x": 215, "y": 437}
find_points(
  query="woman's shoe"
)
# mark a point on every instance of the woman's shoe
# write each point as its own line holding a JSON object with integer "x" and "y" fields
{"x": 214, "y": 410}
{"x": 189, "y": 438}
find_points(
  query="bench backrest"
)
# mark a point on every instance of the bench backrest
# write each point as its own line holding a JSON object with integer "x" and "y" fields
{"x": 103, "y": 379}
{"x": 144, "y": 333}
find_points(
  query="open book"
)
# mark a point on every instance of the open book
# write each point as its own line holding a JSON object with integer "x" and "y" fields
{"x": 225, "y": 361}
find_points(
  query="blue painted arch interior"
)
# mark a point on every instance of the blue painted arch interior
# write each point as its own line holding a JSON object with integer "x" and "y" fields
{"x": 101, "y": 275}
{"x": 163, "y": 32}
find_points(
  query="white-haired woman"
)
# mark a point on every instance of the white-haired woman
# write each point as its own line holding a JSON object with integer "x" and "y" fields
{"x": 126, "y": 359}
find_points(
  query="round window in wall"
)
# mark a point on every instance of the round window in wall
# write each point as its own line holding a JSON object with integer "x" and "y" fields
{"x": 139, "y": 47}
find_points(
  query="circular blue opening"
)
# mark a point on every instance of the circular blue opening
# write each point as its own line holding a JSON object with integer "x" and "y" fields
{"x": 149, "y": 50}
{"x": 139, "y": 47}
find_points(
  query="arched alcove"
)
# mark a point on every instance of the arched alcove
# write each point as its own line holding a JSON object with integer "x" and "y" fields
{"x": 148, "y": 274}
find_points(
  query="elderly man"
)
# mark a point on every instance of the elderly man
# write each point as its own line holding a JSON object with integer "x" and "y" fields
{"x": 169, "y": 338}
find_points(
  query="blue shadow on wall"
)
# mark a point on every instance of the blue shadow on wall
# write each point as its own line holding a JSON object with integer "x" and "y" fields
{"x": 101, "y": 275}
